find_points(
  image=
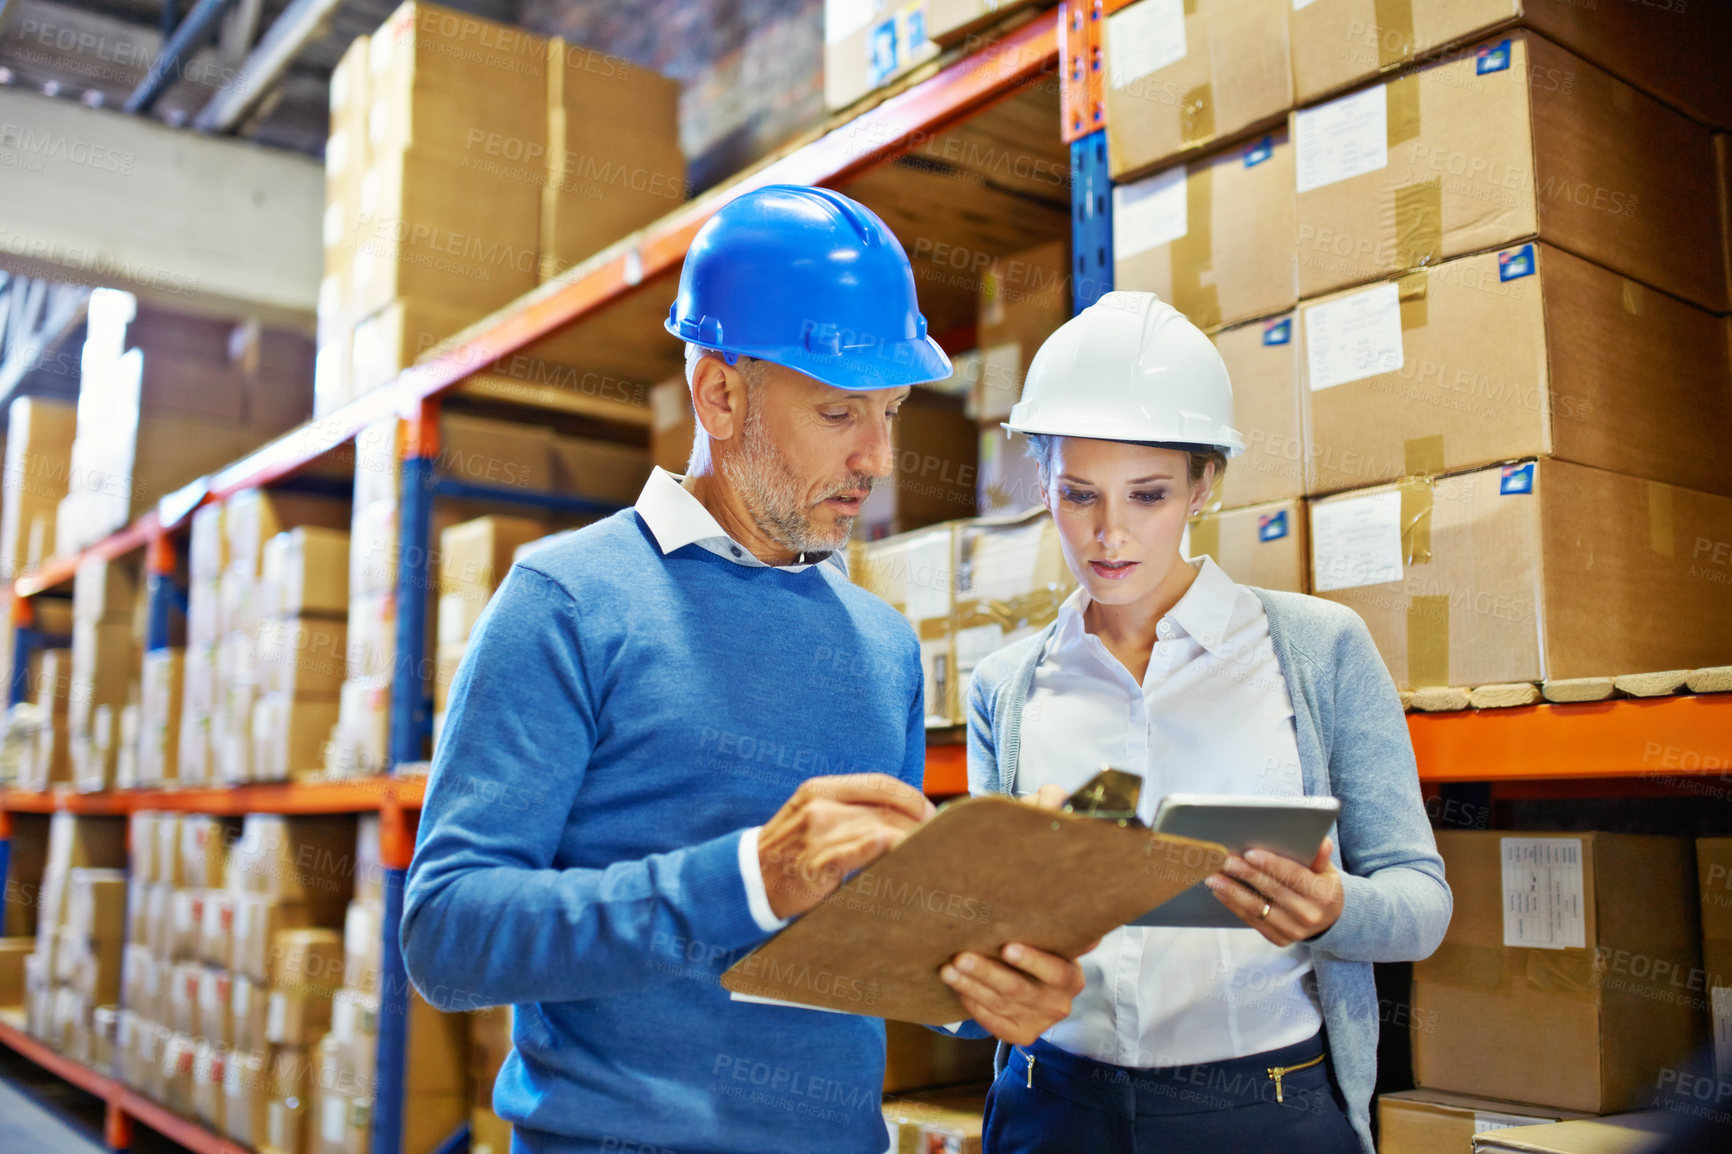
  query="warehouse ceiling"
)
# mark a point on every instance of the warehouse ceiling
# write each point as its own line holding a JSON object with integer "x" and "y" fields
{"x": 98, "y": 52}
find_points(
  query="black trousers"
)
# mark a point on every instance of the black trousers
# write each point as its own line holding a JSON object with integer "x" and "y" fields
{"x": 1080, "y": 1106}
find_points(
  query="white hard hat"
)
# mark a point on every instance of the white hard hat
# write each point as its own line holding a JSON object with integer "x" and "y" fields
{"x": 1129, "y": 367}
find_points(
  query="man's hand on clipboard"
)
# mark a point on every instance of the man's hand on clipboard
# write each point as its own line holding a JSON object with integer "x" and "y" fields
{"x": 1284, "y": 900}
{"x": 831, "y": 827}
{"x": 1025, "y": 994}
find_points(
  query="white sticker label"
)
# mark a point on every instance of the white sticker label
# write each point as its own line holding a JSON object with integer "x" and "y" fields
{"x": 332, "y": 1116}
{"x": 1720, "y": 1003}
{"x": 1356, "y": 541}
{"x": 1353, "y": 338}
{"x": 843, "y": 17}
{"x": 1145, "y": 38}
{"x": 1485, "y": 1122}
{"x": 1149, "y": 213}
{"x": 1542, "y": 893}
{"x": 1344, "y": 138}
{"x": 277, "y": 1016}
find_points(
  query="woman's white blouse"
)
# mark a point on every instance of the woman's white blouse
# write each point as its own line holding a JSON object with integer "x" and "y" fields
{"x": 1212, "y": 715}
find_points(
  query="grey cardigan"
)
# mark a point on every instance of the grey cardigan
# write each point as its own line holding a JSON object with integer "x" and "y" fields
{"x": 1353, "y": 744}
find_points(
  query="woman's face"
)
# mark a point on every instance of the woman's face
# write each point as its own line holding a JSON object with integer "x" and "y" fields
{"x": 1120, "y": 511}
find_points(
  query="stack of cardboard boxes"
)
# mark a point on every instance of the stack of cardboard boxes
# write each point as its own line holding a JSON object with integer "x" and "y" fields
{"x": 105, "y": 667}
{"x": 165, "y": 398}
{"x": 968, "y": 588}
{"x": 75, "y": 966}
{"x": 870, "y": 43}
{"x": 1575, "y": 981}
{"x": 38, "y": 462}
{"x": 473, "y": 559}
{"x": 467, "y": 161}
{"x": 1464, "y": 267}
{"x": 303, "y": 646}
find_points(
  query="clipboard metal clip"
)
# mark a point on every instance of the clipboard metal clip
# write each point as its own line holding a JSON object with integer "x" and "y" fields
{"x": 1110, "y": 795}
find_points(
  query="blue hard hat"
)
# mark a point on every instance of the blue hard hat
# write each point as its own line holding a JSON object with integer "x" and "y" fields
{"x": 807, "y": 278}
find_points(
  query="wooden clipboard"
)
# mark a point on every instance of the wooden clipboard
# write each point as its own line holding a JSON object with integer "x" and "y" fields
{"x": 984, "y": 872}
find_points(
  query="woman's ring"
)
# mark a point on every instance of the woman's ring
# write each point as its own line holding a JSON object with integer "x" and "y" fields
{"x": 1265, "y": 912}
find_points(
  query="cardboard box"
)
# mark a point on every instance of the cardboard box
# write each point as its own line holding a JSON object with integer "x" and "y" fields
{"x": 867, "y": 45}
{"x": 13, "y": 951}
{"x": 1647, "y": 1132}
{"x": 936, "y": 452}
{"x": 433, "y": 228}
{"x": 1555, "y": 982}
{"x": 437, "y": 1046}
{"x": 1714, "y": 885}
{"x": 1668, "y": 51}
{"x": 1260, "y": 545}
{"x": 949, "y": 1112}
{"x": 613, "y": 153}
{"x": 290, "y": 735}
{"x": 914, "y": 573}
{"x": 438, "y": 77}
{"x": 1023, "y": 300}
{"x": 1180, "y": 79}
{"x": 1010, "y": 581}
{"x": 186, "y": 918}
{"x": 303, "y": 656}
{"x": 475, "y": 555}
{"x": 217, "y": 929}
{"x": 488, "y": 1132}
{"x": 216, "y": 1007}
{"x": 1216, "y": 238}
{"x": 360, "y": 743}
{"x": 489, "y": 1043}
{"x": 1263, "y": 364}
{"x": 363, "y": 946}
{"x": 917, "y": 1058}
{"x": 306, "y": 573}
{"x": 245, "y": 1084}
{"x": 259, "y": 921}
{"x": 96, "y": 904}
{"x": 1528, "y": 572}
{"x": 254, "y": 516}
{"x": 1516, "y": 139}
{"x": 1433, "y": 1122}
{"x": 1528, "y": 351}
{"x": 38, "y": 452}
{"x": 672, "y": 425}
{"x": 160, "y": 714}
{"x": 297, "y": 1016}
{"x": 204, "y": 849}
{"x": 249, "y": 1011}
{"x": 295, "y": 859}
{"x": 1009, "y": 478}
{"x": 599, "y": 470}
{"x": 103, "y": 590}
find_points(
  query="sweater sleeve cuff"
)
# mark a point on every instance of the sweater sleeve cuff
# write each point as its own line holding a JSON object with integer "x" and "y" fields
{"x": 757, "y": 897}
{"x": 1340, "y": 939}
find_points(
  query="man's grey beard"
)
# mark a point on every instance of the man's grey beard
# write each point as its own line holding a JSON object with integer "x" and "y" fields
{"x": 771, "y": 491}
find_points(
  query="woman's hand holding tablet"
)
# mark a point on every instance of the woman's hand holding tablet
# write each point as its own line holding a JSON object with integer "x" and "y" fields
{"x": 1280, "y": 898}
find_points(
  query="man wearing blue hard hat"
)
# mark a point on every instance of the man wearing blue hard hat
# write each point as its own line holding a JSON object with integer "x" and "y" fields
{"x": 682, "y": 726}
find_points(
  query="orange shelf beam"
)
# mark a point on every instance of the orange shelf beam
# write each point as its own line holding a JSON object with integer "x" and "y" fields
{"x": 946, "y": 769}
{"x": 1655, "y": 738}
{"x": 59, "y": 570}
{"x": 86, "y": 1079}
{"x": 358, "y": 795}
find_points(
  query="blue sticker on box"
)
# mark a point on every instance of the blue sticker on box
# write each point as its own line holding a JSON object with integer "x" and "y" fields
{"x": 913, "y": 29}
{"x": 1260, "y": 152}
{"x": 1492, "y": 58}
{"x": 881, "y": 53}
{"x": 1278, "y": 332}
{"x": 1517, "y": 479}
{"x": 1272, "y": 527}
{"x": 1515, "y": 262}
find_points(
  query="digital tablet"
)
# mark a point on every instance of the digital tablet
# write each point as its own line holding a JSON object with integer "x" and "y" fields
{"x": 1292, "y": 826}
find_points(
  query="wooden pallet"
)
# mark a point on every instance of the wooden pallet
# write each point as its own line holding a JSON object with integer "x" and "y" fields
{"x": 1447, "y": 699}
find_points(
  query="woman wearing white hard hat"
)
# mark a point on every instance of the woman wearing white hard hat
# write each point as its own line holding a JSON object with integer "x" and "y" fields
{"x": 1192, "y": 1039}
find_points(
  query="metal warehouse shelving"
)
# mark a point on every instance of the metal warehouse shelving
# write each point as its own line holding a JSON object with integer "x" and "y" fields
{"x": 605, "y": 315}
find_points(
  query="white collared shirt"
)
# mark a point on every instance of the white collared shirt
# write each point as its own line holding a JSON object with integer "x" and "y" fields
{"x": 1212, "y": 715}
{"x": 676, "y": 519}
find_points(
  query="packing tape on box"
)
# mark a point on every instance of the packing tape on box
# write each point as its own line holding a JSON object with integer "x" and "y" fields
{"x": 1034, "y": 609}
{"x": 1392, "y": 22}
{"x": 1423, "y": 456}
{"x": 1635, "y": 298}
{"x": 1428, "y": 641}
{"x": 1206, "y": 537}
{"x": 1402, "y": 97}
{"x": 1414, "y": 292}
{"x": 1418, "y": 210}
{"x": 1661, "y": 538}
{"x": 1197, "y": 114}
{"x": 933, "y": 628}
{"x": 1567, "y": 973}
{"x": 1190, "y": 7}
{"x": 1193, "y": 254}
{"x": 1416, "y": 504}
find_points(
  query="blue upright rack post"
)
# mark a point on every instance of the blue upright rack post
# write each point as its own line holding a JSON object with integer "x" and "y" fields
{"x": 411, "y": 723}
{"x": 1091, "y": 200}
{"x": 164, "y": 597}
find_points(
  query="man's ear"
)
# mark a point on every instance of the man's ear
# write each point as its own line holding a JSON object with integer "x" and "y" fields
{"x": 718, "y": 397}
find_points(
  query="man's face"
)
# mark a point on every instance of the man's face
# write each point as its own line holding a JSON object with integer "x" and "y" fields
{"x": 808, "y": 455}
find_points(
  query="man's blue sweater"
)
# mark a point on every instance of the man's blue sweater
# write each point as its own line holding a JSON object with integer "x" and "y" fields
{"x": 620, "y": 719}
